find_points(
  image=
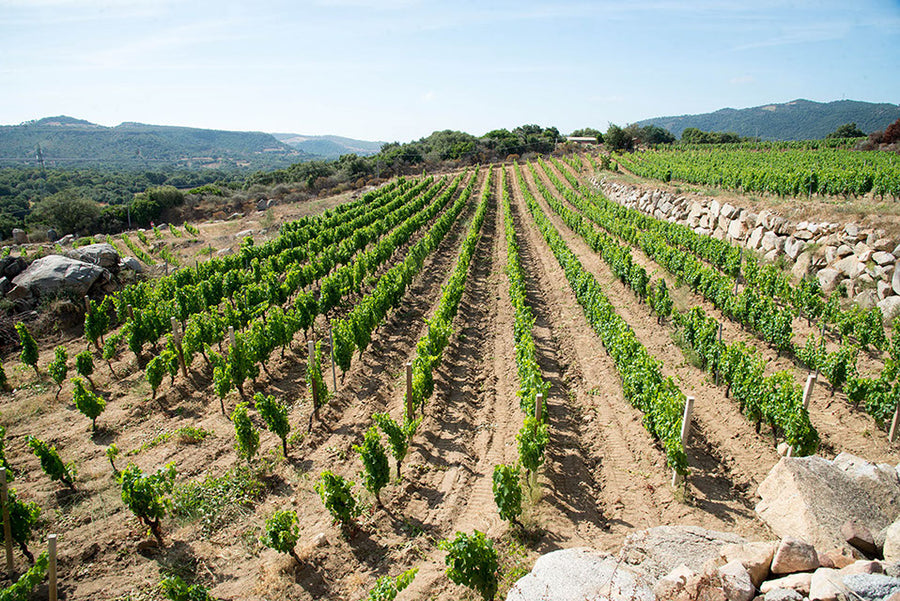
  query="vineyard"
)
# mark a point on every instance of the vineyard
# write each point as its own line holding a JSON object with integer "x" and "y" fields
{"x": 825, "y": 172}
{"x": 471, "y": 368}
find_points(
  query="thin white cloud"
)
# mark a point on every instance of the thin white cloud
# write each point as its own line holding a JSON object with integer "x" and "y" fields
{"x": 741, "y": 80}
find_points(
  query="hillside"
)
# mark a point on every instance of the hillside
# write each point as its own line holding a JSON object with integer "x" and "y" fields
{"x": 796, "y": 120}
{"x": 68, "y": 141}
{"x": 329, "y": 147}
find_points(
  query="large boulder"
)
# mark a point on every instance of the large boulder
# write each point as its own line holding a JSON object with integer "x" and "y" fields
{"x": 890, "y": 308}
{"x": 811, "y": 498}
{"x": 657, "y": 551}
{"x": 578, "y": 574}
{"x": 54, "y": 274}
{"x": 19, "y": 236}
{"x": 103, "y": 255}
{"x": 829, "y": 279}
{"x": 12, "y": 266}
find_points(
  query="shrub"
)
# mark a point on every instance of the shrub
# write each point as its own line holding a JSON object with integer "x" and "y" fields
{"x": 399, "y": 436}
{"x": 176, "y": 589}
{"x": 84, "y": 365}
{"x": 337, "y": 496}
{"x": 275, "y": 414}
{"x": 282, "y": 533}
{"x": 23, "y": 515}
{"x": 507, "y": 492}
{"x": 387, "y": 588}
{"x": 51, "y": 463}
{"x": 532, "y": 439}
{"x": 472, "y": 562}
{"x": 375, "y": 462}
{"x": 145, "y": 495}
{"x": 29, "y": 354}
{"x": 91, "y": 405}
{"x": 25, "y": 585}
{"x": 59, "y": 368}
{"x": 246, "y": 436}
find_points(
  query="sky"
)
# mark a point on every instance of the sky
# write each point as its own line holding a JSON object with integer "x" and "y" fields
{"x": 396, "y": 70}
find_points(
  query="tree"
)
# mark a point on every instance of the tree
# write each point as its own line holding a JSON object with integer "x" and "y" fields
{"x": 91, "y": 405}
{"x": 472, "y": 561}
{"x": 617, "y": 139}
{"x": 282, "y": 533}
{"x": 588, "y": 132}
{"x": 246, "y": 436}
{"x": 145, "y": 495}
{"x": 275, "y": 414}
{"x": 29, "y": 354}
{"x": 67, "y": 212}
{"x": 59, "y": 368}
{"x": 847, "y": 130}
{"x": 375, "y": 462}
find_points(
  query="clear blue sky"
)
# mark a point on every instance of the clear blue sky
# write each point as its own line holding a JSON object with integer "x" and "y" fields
{"x": 400, "y": 69}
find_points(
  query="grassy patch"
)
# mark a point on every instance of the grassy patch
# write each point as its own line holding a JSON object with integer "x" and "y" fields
{"x": 184, "y": 435}
{"x": 217, "y": 500}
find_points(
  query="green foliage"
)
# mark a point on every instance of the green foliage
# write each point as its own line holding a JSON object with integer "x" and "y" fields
{"x": 282, "y": 533}
{"x": 96, "y": 321}
{"x": 275, "y": 414}
{"x": 222, "y": 382}
{"x": 246, "y": 435}
{"x": 67, "y": 212}
{"x": 59, "y": 368}
{"x": 29, "y": 355}
{"x": 375, "y": 462}
{"x": 4, "y": 382}
{"x": 112, "y": 452}
{"x": 507, "y": 492}
{"x": 617, "y": 139}
{"x": 217, "y": 500}
{"x": 51, "y": 463}
{"x": 88, "y": 403}
{"x": 23, "y": 517}
{"x": 314, "y": 376}
{"x": 472, "y": 561}
{"x": 155, "y": 370}
{"x": 337, "y": 496}
{"x": 176, "y": 589}
{"x": 399, "y": 436}
{"x": 532, "y": 439}
{"x": 387, "y": 588}
{"x": 84, "y": 364}
{"x": 10, "y": 472}
{"x": 145, "y": 495}
{"x": 23, "y": 588}
{"x": 847, "y": 130}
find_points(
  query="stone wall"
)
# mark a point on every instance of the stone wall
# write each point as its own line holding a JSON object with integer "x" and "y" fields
{"x": 863, "y": 260}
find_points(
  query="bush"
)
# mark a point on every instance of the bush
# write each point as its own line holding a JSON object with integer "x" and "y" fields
{"x": 176, "y": 589}
{"x": 89, "y": 404}
{"x": 59, "y": 368}
{"x": 51, "y": 463}
{"x": 282, "y": 533}
{"x": 29, "y": 353}
{"x": 472, "y": 562}
{"x": 532, "y": 439}
{"x": 246, "y": 436}
{"x": 23, "y": 516}
{"x": 275, "y": 414}
{"x": 337, "y": 496}
{"x": 145, "y": 495}
{"x": 387, "y": 588}
{"x": 507, "y": 492}
{"x": 375, "y": 462}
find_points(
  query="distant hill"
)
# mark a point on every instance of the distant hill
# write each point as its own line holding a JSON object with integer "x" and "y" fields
{"x": 66, "y": 141}
{"x": 329, "y": 147}
{"x": 796, "y": 120}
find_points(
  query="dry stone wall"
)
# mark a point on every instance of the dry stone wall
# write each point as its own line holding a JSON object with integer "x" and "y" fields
{"x": 863, "y": 260}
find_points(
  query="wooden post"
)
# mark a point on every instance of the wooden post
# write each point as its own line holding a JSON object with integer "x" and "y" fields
{"x": 231, "y": 334}
{"x": 331, "y": 346}
{"x": 538, "y": 407}
{"x": 87, "y": 304}
{"x": 807, "y": 396}
{"x": 51, "y": 565}
{"x": 167, "y": 266}
{"x": 176, "y": 336}
{"x": 685, "y": 434}
{"x": 315, "y": 393}
{"x": 409, "y": 392}
{"x": 7, "y": 528}
{"x": 895, "y": 423}
{"x": 130, "y": 312}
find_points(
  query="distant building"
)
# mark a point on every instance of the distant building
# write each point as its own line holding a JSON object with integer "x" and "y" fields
{"x": 586, "y": 140}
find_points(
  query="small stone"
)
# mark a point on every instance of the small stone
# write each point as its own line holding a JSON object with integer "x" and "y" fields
{"x": 19, "y": 236}
{"x": 872, "y": 587}
{"x": 736, "y": 582}
{"x": 320, "y": 540}
{"x": 864, "y": 566}
{"x": 883, "y": 258}
{"x": 843, "y": 251}
{"x": 783, "y": 594}
{"x": 794, "y": 555}
{"x": 883, "y": 290}
{"x": 783, "y": 448}
{"x": 890, "y": 308}
{"x": 859, "y": 536}
{"x": 803, "y": 235}
{"x": 892, "y": 533}
{"x": 829, "y": 279}
{"x": 799, "y": 582}
{"x": 825, "y": 585}
{"x": 838, "y": 558}
{"x": 243, "y": 233}
{"x": 754, "y": 557}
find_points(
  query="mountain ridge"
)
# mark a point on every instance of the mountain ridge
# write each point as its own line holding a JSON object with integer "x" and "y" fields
{"x": 798, "y": 119}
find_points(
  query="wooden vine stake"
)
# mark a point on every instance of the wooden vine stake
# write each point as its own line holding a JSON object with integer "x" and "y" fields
{"x": 895, "y": 423}
{"x": 7, "y": 528}
{"x": 315, "y": 393}
{"x": 538, "y": 407}
{"x": 685, "y": 434}
{"x": 231, "y": 335}
{"x": 176, "y": 336}
{"x": 51, "y": 565}
{"x": 720, "y": 346}
{"x": 333, "y": 371}
{"x": 87, "y": 304}
{"x": 807, "y": 395}
{"x": 409, "y": 392}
